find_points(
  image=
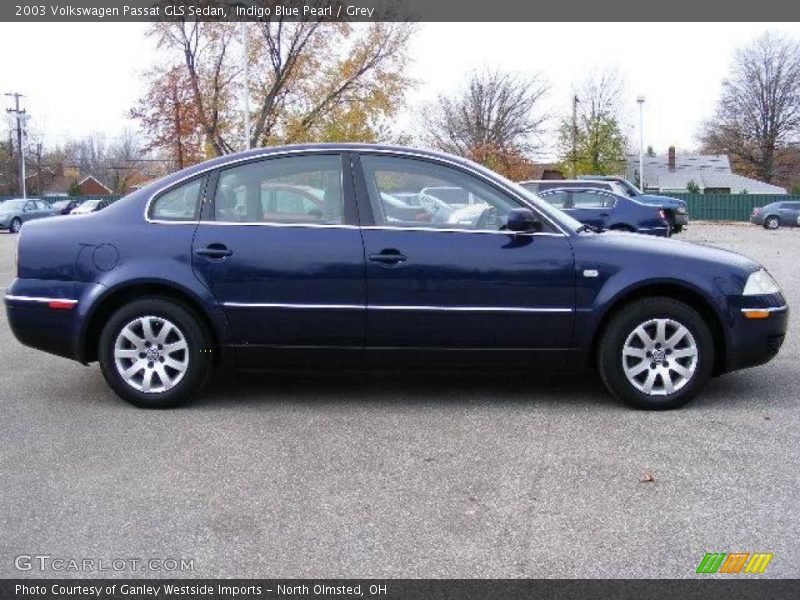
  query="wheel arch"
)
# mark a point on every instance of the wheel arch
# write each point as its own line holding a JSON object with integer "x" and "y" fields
{"x": 118, "y": 296}
{"x": 676, "y": 291}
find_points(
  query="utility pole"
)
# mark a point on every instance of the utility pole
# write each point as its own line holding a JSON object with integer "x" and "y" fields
{"x": 575, "y": 101}
{"x": 640, "y": 102}
{"x": 19, "y": 114}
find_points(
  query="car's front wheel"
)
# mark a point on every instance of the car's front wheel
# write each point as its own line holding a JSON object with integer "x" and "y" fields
{"x": 15, "y": 225}
{"x": 656, "y": 354}
{"x": 772, "y": 222}
{"x": 155, "y": 353}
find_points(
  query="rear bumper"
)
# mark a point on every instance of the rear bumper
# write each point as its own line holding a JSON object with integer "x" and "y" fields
{"x": 48, "y": 315}
{"x": 657, "y": 231}
{"x": 756, "y": 220}
{"x": 681, "y": 219}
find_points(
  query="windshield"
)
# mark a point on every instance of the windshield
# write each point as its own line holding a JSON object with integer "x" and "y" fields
{"x": 90, "y": 203}
{"x": 12, "y": 205}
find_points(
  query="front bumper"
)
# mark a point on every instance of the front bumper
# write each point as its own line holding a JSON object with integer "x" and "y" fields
{"x": 757, "y": 340}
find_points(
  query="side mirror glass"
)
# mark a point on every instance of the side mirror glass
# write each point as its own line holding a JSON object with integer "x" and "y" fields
{"x": 522, "y": 220}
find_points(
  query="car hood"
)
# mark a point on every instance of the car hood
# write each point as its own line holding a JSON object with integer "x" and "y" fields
{"x": 670, "y": 248}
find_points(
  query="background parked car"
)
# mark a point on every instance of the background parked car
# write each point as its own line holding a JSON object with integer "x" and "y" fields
{"x": 675, "y": 209}
{"x": 776, "y": 214}
{"x": 66, "y": 206}
{"x": 606, "y": 210}
{"x": 89, "y": 206}
{"x": 13, "y": 213}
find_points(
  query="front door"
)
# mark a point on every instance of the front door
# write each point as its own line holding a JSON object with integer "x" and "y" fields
{"x": 283, "y": 255}
{"x": 462, "y": 288}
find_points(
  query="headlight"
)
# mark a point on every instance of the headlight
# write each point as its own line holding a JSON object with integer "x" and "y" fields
{"x": 760, "y": 283}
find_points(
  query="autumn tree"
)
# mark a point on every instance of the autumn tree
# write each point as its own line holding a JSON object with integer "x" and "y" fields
{"x": 595, "y": 143}
{"x": 495, "y": 120}
{"x": 169, "y": 118}
{"x": 758, "y": 113}
{"x": 309, "y": 80}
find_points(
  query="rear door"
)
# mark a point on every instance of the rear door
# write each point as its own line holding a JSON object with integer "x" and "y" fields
{"x": 281, "y": 251}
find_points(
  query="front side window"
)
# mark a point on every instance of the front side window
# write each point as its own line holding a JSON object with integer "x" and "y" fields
{"x": 181, "y": 203}
{"x": 406, "y": 192}
{"x": 292, "y": 190}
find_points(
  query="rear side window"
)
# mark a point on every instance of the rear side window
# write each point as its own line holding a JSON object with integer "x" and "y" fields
{"x": 557, "y": 199}
{"x": 292, "y": 190}
{"x": 589, "y": 200}
{"x": 181, "y": 203}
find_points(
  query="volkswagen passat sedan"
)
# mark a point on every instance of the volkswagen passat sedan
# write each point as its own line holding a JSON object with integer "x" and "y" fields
{"x": 286, "y": 256}
{"x": 607, "y": 210}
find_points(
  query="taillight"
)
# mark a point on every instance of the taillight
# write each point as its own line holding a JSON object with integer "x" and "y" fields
{"x": 756, "y": 210}
{"x": 661, "y": 214}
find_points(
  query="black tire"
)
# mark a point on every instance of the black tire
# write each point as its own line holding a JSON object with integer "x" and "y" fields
{"x": 198, "y": 352}
{"x": 772, "y": 222}
{"x": 611, "y": 362}
{"x": 677, "y": 229}
{"x": 15, "y": 225}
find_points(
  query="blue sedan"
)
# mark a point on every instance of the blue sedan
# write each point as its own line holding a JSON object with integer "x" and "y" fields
{"x": 297, "y": 256}
{"x": 607, "y": 210}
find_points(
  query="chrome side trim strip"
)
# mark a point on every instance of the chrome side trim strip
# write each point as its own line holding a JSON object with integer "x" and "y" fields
{"x": 366, "y": 227}
{"x": 395, "y": 307}
{"x": 770, "y": 309}
{"x": 40, "y": 299}
{"x": 519, "y": 309}
{"x": 295, "y": 306}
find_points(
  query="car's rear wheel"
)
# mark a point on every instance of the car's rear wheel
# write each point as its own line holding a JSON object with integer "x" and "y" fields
{"x": 155, "y": 353}
{"x": 15, "y": 225}
{"x": 772, "y": 222}
{"x": 656, "y": 354}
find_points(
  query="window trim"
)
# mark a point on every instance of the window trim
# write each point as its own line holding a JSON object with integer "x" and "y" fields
{"x": 203, "y": 178}
{"x": 351, "y": 182}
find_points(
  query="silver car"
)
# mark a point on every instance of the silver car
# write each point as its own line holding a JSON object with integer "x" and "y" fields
{"x": 15, "y": 212}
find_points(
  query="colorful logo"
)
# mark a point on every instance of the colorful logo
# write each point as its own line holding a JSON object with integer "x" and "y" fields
{"x": 734, "y": 562}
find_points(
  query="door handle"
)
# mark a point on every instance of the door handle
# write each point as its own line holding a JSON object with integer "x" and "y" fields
{"x": 388, "y": 257}
{"x": 214, "y": 251}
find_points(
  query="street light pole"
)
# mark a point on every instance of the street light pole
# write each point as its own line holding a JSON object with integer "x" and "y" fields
{"x": 640, "y": 101}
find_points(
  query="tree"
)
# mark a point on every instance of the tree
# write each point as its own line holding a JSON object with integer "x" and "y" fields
{"x": 309, "y": 80}
{"x": 650, "y": 152}
{"x": 169, "y": 117}
{"x": 758, "y": 113}
{"x": 599, "y": 143}
{"x": 692, "y": 187}
{"x": 495, "y": 120}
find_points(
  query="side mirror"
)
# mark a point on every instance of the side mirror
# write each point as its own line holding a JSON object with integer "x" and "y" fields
{"x": 522, "y": 220}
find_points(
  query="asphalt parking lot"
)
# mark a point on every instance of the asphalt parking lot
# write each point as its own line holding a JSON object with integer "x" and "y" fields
{"x": 405, "y": 475}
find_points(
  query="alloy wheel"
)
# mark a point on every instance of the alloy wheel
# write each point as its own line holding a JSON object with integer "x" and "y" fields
{"x": 659, "y": 357}
{"x": 151, "y": 354}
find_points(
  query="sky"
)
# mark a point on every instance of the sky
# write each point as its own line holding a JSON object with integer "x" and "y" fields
{"x": 83, "y": 78}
